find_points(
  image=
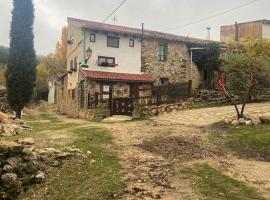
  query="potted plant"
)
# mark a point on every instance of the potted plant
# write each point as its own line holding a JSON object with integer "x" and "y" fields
{"x": 136, "y": 114}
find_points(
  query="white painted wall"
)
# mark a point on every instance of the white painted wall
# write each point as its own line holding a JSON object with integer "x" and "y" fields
{"x": 74, "y": 50}
{"x": 266, "y": 31}
{"x": 127, "y": 58}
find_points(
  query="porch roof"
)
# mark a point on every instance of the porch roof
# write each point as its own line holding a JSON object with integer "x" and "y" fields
{"x": 114, "y": 76}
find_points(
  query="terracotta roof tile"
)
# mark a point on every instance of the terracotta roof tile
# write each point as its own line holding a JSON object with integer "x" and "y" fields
{"x": 113, "y": 76}
{"x": 134, "y": 31}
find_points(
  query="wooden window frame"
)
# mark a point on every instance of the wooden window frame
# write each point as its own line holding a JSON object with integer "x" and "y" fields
{"x": 75, "y": 64}
{"x": 162, "y": 56}
{"x": 71, "y": 64}
{"x": 131, "y": 42}
{"x": 114, "y": 37}
{"x": 93, "y": 40}
{"x": 108, "y": 64}
{"x": 73, "y": 95}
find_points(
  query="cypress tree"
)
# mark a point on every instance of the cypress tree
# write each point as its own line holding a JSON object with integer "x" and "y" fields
{"x": 21, "y": 68}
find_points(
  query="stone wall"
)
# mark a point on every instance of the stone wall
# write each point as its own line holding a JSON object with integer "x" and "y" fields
{"x": 176, "y": 67}
{"x": 166, "y": 108}
{"x": 67, "y": 99}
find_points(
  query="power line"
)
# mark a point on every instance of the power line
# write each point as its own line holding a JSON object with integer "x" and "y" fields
{"x": 117, "y": 8}
{"x": 212, "y": 16}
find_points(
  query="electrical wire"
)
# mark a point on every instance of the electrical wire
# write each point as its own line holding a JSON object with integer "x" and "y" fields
{"x": 212, "y": 16}
{"x": 115, "y": 10}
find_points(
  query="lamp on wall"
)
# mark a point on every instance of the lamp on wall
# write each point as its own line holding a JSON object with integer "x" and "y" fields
{"x": 89, "y": 52}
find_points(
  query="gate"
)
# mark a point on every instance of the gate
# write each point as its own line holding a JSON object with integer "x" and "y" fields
{"x": 122, "y": 106}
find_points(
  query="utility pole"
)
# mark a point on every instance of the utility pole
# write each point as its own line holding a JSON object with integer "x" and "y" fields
{"x": 236, "y": 31}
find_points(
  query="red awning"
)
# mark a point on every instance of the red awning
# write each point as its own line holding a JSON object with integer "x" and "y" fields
{"x": 113, "y": 76}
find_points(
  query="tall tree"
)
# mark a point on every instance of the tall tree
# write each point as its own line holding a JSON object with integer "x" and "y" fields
{"x": 21, "y": 71}
{"x": 61, "y": 50}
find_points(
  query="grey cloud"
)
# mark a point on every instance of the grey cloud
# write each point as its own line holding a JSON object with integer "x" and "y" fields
{"x": 156, "y": 14}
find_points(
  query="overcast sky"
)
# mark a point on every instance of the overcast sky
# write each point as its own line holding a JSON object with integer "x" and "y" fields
{"x": 159, "y": 15}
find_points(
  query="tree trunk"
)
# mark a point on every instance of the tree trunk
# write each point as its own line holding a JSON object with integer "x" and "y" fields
{"x": 18, "y": 114}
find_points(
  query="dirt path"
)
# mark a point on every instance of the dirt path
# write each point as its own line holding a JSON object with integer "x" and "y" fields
{"x": 147, "y": 150}
{"x": 149, "y": 173}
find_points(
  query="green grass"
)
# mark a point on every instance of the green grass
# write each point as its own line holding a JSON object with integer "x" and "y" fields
{"x": 94, "y": 177}
{"x": 246, "y": 141}
{"x": 213, "y": 185}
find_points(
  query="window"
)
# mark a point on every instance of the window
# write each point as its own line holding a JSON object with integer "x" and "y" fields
{"x": 106, "y": 61}
{"x": 131, "y": 42}
{"x": 92, "y": 37}
{"x": 162, "y": 55}
{"x": 71, "y": 65}
{"x": 75, "y": 63}
{"x": 113, "y": 41}
{"x": 73, "y": 93}
{"x": 164, "y": 81}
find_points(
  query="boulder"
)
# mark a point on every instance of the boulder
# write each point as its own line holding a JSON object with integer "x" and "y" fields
{"x": 235, "y": 122}
{"x": 9, "y": 179}
{"x": 241, "y": 121}
{"x": 3, "y": 116}
{"x": 40, "y": 177}
{"x": 265, "y": 119}
{"x": 248, "y": 122}
{"x": 256, "y": 121}
{"x": 10, "y": 147}
{"x": 26, "y": 141}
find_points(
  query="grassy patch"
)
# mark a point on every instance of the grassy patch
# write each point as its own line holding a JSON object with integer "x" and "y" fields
{"x": 212, "y": 184}
{"x": 96, "y": 176}
{"x": 246, "y": 141}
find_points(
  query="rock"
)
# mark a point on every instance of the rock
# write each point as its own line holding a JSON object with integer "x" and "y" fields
{"x": 28, "y": 149}
{"x": 30, "y": 157}
{"x": 241, "y": 121}
{"x": 14, "y": 161}
{"x": 9, "y": 179}
{"x": 256, "y": 121}
{"x": 265, "y": 119}
{"x": 63, "y": 155}
{"x": 248, "y": 122}
{"x": 235, "y": 122}
{"x": 8, "y": 168}
{"x": 7, "y": 130}
{"x": 11, "y": 147}
{"x": 26, "y": 141}
{"x": 40, "y": 177}
{"x": 52, "y": 150}
{"x": 3, "y": 116}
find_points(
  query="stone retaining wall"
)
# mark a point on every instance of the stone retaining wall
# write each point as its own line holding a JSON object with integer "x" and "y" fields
{"x": 166, "y": 108}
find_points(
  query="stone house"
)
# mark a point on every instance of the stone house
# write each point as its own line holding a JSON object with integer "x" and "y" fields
{"x": 113, "y": 65}
{"x": 259, "y": 29}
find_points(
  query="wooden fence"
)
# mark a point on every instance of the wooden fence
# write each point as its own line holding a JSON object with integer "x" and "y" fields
{"x": 172, "y": 93}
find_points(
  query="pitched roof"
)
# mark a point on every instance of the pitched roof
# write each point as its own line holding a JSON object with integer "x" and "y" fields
{"x": 113, "y": 76}
{"x": 133, "y": 31}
